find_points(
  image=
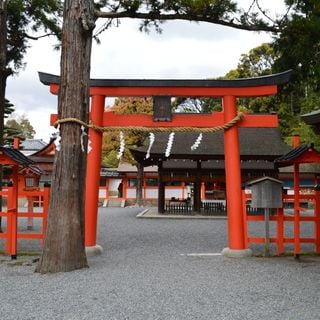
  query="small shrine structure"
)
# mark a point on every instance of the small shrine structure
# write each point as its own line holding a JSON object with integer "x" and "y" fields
{"x": 205, "y": 166}
{"x": 303, "y": 154}
{"x": 16, "y": 160}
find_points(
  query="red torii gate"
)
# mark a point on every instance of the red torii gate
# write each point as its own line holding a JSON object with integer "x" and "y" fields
{"x": 228, "y": 90}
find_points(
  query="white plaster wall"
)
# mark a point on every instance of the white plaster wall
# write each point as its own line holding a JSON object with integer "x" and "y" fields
{"x": 102, "y": 193}
{"x": 172, "y": 192}
{"x": 131, "y": 193}
{"x": 114, "y": 184}
{"x": 152, "y": 193}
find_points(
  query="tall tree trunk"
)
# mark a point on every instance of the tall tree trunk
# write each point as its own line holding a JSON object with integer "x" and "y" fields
{"x": 139, "y": 198}
{"x": 64, "y": 244}
{"x": 4, "y": 74}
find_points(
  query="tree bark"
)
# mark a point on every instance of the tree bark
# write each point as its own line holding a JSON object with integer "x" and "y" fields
{"x": 64, "y": 248}
{"x": 3, "y": 63}
{"x": 4, "y": 74}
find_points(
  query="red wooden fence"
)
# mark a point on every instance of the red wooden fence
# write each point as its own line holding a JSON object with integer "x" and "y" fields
{"x": 12, "y": 216}
{"x": 281, "y": 219}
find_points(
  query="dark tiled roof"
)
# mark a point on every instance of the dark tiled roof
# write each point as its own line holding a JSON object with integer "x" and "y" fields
{"x": 33, "y": 144}
{"x": 182, "y": 164}
{"x": 301, "y": 154}
{"x": 313, "y": 119}
{"x": 44, "y": 159}
{"x": 128, "y": 167}
{"x": 274, "y": 79}
{"x": 255, "y": 143}
{"x": 35, "y": 169}
{"x": 295, "y": 153}
{"x": 262, "y": 179}
{"x": 45, "y": 149}
{"x": 17, "y": 156}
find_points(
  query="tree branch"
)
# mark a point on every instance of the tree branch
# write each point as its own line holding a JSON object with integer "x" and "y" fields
{"x": 38, "y": 37}
{"x": 152, "y": 16}
{"x": 6, "y": 72}
{"x": 263, "y": 11}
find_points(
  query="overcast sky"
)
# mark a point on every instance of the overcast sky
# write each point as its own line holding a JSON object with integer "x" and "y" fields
{"x": 184, "y": 50}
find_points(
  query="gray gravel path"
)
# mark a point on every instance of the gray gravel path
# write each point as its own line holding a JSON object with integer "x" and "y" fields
{"x": 145, "y": 272}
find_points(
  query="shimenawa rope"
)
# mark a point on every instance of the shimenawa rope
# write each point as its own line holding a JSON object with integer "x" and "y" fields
{"x": 226, "y": 126}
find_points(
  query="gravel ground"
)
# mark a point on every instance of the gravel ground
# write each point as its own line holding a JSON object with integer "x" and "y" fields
{"x": 147, "y": 272}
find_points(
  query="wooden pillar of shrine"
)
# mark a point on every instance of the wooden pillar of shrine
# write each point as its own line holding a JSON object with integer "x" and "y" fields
{"x": 203, "y": 191}
{"x": 93, "y": 177}
{"x": 296, "y": 205}
{"x": 197, "y": 189}
{"x": 237, "y": 243}
{"x": 317, "y": 220}
{"x": 161, "y": 190}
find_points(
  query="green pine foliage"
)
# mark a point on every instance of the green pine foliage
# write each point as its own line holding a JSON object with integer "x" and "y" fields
{"x": 29, "y": 20}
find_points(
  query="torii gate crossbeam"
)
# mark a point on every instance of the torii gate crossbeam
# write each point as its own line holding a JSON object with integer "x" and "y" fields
{"x": 228, "y": 90}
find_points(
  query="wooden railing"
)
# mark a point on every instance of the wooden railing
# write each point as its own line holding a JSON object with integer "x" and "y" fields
{"x": 12, "y": 215}
{"x": 281, "y": 219}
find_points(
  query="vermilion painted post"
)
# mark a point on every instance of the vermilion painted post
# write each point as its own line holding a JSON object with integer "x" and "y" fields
{"x": 296, "y": 141}
{"x": 296, "y": 184}
{"x": 30, "y": 210}
{"x": 317, "y": 221}
{"x": 14, "y": 212}
{"x": 16, "y": 143}
{"x": 93, "y": 172}
{"x": 203, "y": 190}
{"x": 183, "y": 188}
{"x": 46, "y": 194}
{"x": 280, "y": 230}
{"x": 233, "y": 177}
{"x": 144, "y": 186}
{"x": 9, "y": 221}
{"x": 296, "y": 209}
{"x": 245, "y": 223}
{"x": 124, "y": 188}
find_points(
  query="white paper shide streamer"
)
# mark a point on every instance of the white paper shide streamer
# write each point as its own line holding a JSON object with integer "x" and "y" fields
{"x": 169, "y": 145}
{"x": 83, "y": 134}
{"x": 197, "y": 143}
{"x": 151, "y": 141}
{"x": 57, "y": 141}
{"x": 89, "y": 148}
{"x": 122, "y": 146}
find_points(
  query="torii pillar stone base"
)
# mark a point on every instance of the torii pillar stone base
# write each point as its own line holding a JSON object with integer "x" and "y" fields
{"x": 94, "y": 250}
{"x": 232, "y": 253}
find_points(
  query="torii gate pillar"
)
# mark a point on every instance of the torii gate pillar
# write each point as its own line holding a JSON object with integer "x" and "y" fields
{"x": 237, "y": 245}
{"x": 93, "y": 177}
